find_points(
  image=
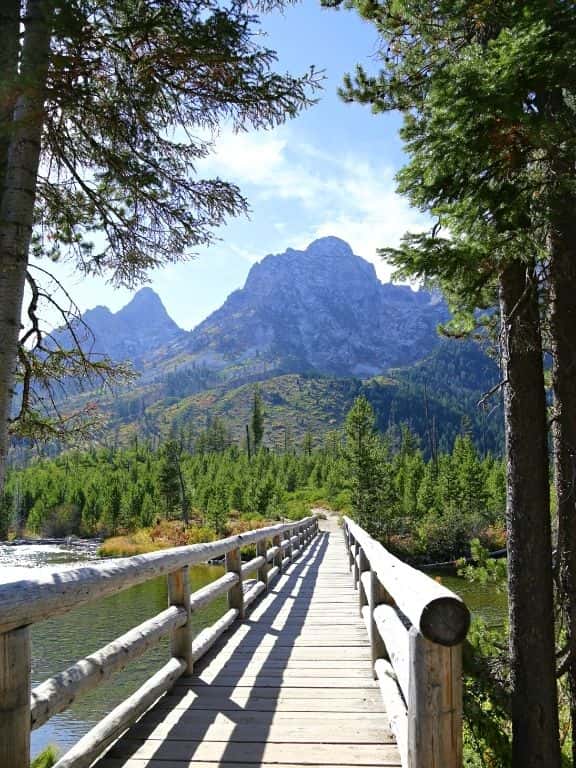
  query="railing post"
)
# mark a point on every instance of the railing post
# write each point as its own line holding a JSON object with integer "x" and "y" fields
{"x": 355, "y": 553}
{"x": 236, "y": 593}
{"x": 363, "y": 566}
{"x": 350, "y": 544}
{"x": 376, "y": 596}
{"x": 288, "y": 535}
{"x": 276, "y": 541}
{"x": 434, "y": 704}
{"x": 15, "y": 665}
{"x": 262, "y": 549}
{"x": 181, "y": 639}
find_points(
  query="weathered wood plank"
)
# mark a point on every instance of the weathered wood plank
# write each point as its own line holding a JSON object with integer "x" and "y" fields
{"x": 302, "y": 754}
{"x": 293, "y": 731}
{"x": 152, "y": 763}
{"x": 15, "y": 665}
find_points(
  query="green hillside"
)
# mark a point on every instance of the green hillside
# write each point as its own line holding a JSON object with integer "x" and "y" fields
{"x": 297, "y": 404}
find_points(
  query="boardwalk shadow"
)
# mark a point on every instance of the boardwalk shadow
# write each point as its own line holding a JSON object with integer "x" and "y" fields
{"x": 224, "y": 713}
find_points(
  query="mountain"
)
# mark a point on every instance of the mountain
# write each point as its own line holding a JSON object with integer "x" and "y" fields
{"x": 315, "y": 328}
{"x": 323, "y": 310}
{"x": 137, "y": 333}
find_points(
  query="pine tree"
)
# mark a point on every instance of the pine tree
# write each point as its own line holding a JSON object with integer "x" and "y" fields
{"x": 363, "y": 463}
{"x": 257, "y": 420}
{"x": 170, "y": 479}
{"x": 489, "y": 129}
{"x": 217, "y": 508}
{"x": 6, "y": 512}
{"x": 116, "y": 102}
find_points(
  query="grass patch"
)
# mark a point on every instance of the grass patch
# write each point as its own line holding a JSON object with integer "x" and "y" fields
{"x": 46, "y": 759}
{"x": 166, "y": 534}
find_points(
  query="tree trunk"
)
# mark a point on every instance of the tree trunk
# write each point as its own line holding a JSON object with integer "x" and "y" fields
{"x": 562, "y": 277}
{"x": 19, "y": 176}
{"x": 535, "y": 742}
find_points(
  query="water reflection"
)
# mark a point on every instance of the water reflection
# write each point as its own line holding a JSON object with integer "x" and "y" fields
{"x": 59, "y": 642}
{"x": 483, "y": 600}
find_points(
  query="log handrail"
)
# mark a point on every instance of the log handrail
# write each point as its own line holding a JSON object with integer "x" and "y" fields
{"x": 416, "y": 629}
{"x": 30, "y": 600}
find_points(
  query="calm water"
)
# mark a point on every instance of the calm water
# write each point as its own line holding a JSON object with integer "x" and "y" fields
{"x": 483, "y": 600}
{"x": 61, "y": 641}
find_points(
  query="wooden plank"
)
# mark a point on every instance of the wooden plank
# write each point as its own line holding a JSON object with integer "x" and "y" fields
{"x": 243, "y": 700}
{"x": 206, "y": 692}
{"x": 241, "y": 718}
{"x": 315, "y": 669}
{"x": 277, "y": 681}
{"x": 302, "y": 754}
{"x": 292, "y": 731}
{"x": 152, "y": 763}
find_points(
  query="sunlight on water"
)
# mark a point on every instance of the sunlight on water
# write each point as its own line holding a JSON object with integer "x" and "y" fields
{"x": 16, "y": 560}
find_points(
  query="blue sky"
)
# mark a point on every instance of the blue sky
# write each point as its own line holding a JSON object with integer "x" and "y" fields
{"x": 329, "y": 171}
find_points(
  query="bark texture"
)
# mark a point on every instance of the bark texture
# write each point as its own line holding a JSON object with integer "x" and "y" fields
{"x": 535, "y": 741}
{"x": 562, "y": 278}
{"x": 21, "y": 155}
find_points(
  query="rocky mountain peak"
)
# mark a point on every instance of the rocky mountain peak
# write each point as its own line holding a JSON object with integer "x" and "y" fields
{"x": 136, "y": 333}
{"x": 329, "y": 247}
{"x": 322, "y": 309}
{"x": 146, "y": 311}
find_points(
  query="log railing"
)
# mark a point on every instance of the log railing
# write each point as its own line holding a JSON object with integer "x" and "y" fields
{"x": 416, "y": 629}
{"x": 23, "y": 603}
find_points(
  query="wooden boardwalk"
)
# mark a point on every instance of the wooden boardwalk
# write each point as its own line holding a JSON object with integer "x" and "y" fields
{"x": 292, "y": 685}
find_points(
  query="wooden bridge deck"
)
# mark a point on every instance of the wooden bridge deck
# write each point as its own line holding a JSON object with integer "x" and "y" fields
{"x": 291, "y": 686}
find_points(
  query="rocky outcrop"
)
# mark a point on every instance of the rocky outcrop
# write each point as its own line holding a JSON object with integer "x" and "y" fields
{"x": 322, "y": 310}
{"x": 137, "y": 333}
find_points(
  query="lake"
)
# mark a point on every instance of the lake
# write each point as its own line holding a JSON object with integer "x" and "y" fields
{"x": 59, "y": 642}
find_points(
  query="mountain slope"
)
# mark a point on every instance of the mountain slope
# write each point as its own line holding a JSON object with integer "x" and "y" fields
{"x": 321, "y": 310}
{"x": 137, "y": 333}
{"x": 296, "y": 404}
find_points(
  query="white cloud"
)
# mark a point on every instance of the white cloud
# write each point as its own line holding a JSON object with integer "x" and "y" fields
{"x": 349, "y": 196}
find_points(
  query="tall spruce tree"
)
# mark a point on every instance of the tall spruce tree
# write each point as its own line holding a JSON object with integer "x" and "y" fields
{"x": 257, "y": 420}
{"x": 106, "y": 106}
{"x": 488, "y": 91}
{"x": 364, "y": 465}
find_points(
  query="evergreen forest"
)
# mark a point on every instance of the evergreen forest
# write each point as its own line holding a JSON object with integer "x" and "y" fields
{"x": 427, "y": 509}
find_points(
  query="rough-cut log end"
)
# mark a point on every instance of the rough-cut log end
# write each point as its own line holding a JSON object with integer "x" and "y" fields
{"x": 445, "y": 620}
